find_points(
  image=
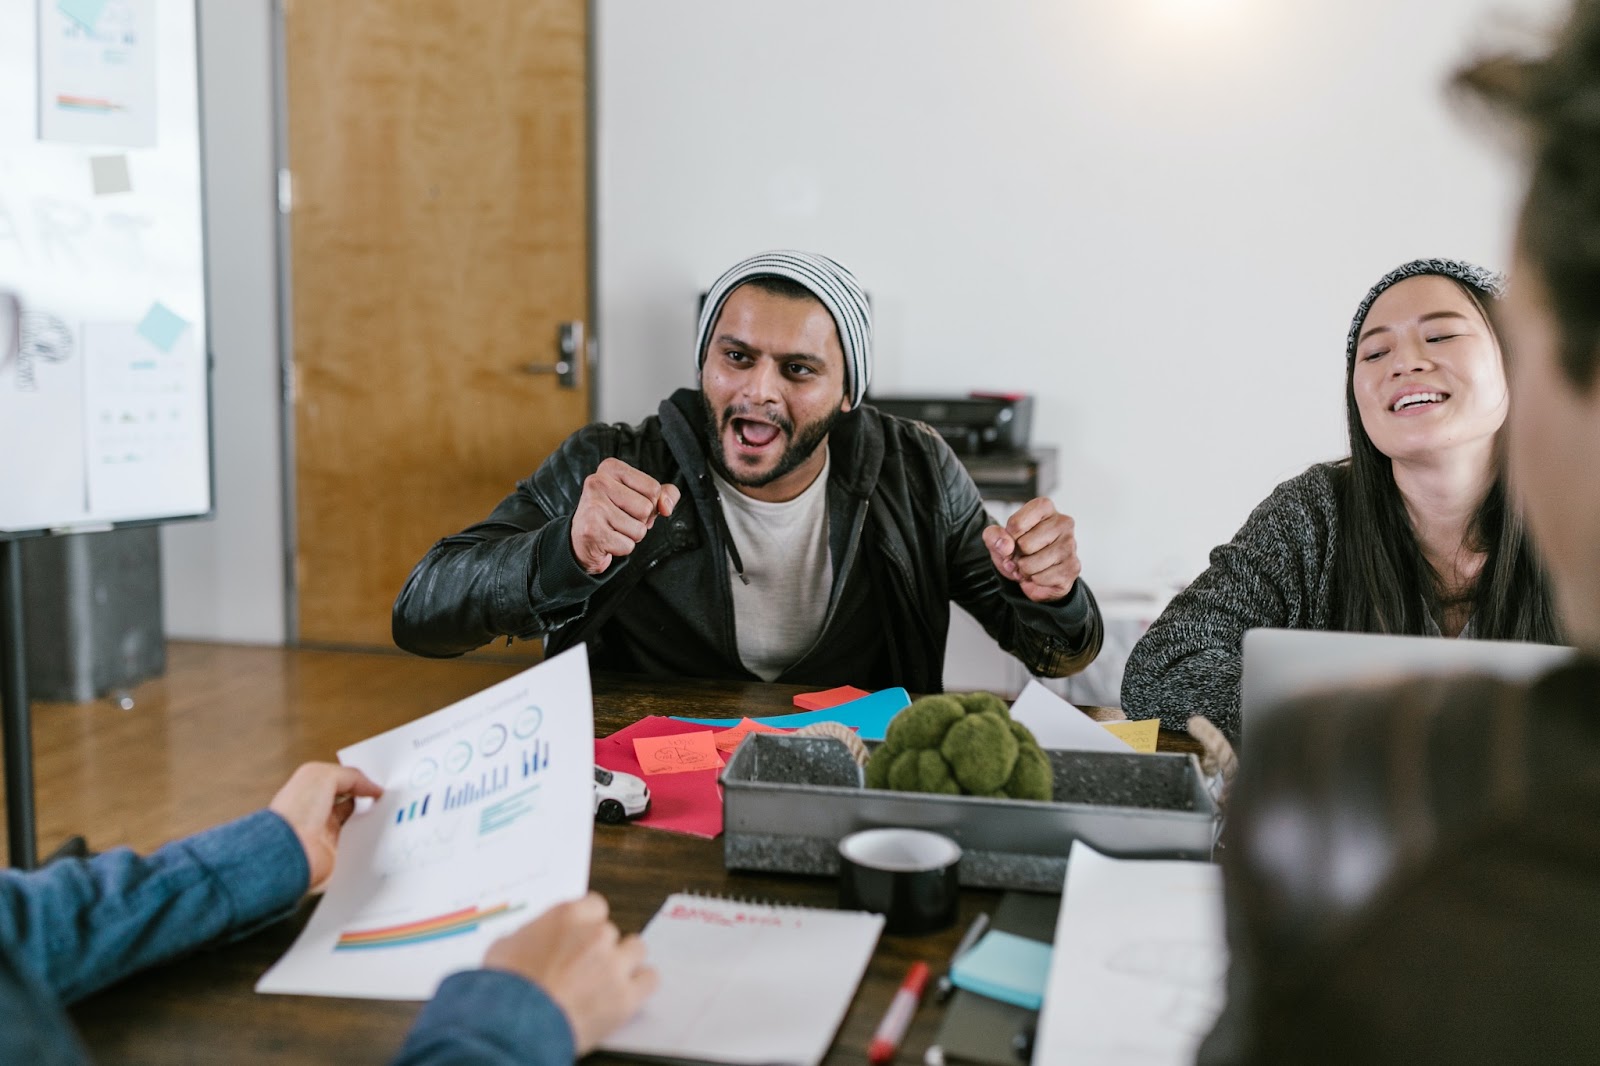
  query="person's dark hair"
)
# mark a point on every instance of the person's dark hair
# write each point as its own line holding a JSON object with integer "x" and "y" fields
{"x": 1384, "y": 584}
{"x": 1555, "y": 101}
{"x": 779, "y": 286}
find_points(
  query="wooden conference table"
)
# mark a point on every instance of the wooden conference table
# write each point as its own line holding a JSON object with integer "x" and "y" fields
{"x": 203, "y": 1008}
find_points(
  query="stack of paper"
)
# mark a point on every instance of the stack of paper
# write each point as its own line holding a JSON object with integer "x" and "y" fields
{"x": 748, "y": 982}
{"x": 1137, "y": 975}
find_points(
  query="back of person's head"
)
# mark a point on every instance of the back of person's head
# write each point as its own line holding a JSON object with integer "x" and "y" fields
{"x": 1553, "y": 311}
{"x": 1554, "y": 101}
{"x": 1410, "y": 878}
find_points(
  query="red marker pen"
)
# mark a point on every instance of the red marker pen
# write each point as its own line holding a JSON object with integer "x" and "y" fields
{"x": 897, "y": 1019}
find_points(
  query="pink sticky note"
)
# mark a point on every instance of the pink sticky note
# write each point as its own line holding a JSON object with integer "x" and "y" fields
{"x": 728, "y": 739}
{"x": 821, "y": 701}
{"x": 679, "y": 803}
{"x": 682, "y": 753}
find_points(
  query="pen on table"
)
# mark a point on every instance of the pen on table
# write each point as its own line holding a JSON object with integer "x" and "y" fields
{"x": 974, "y": 931}
{"x": 897, "y": 1019}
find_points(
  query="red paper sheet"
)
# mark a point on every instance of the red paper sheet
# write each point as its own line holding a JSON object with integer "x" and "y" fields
{"x": 680, "y": 803}
{"x": 821, "y": 701}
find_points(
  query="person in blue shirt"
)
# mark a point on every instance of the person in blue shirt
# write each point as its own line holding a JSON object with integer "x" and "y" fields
{"x": 546, "y": 993}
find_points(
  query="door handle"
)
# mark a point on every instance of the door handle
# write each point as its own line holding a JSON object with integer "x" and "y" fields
{"x": 569, "y": 356}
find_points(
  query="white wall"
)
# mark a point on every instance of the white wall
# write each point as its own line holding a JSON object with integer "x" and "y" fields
{"x": 1156, "y": 215}
{"x": 223, "y": 579}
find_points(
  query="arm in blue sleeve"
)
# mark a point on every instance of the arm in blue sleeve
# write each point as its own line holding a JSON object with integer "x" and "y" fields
{"x": 489, "y": 1018}
{"x": 78, "y": 925}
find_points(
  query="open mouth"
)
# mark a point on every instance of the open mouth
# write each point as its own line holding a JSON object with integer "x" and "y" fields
{"x": 1415, "y": 401}
{"x": 751, "y": 434}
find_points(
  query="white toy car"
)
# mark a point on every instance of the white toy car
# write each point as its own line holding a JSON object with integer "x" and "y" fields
{"x": 618, "y": 796}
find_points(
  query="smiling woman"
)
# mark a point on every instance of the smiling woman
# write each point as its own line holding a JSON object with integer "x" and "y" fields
{"x": 1412, "y": 534}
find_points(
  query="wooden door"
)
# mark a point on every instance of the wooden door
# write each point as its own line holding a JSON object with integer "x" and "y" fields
{"x": 439, "y": 238}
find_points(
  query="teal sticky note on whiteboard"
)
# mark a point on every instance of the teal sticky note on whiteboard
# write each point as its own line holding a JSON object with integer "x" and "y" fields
{"x": 1003, "y": 966}
{"x": 86, "y": 12}
{"x": 162, "y": 326}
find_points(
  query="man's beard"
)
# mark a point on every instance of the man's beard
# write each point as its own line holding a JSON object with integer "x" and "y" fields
{"x": 794, "y": 456}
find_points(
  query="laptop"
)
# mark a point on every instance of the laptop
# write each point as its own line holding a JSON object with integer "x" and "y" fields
{"x": 1280, "y": 664}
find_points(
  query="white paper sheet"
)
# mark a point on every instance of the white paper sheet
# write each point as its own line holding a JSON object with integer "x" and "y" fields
{"x": 487, "y": 815}
{"x": 41, "y": 423}
{"x": 97, "y": 72}
{"x": 1058, "y": 725}
{"x": 1137, "y": 975}
{"x": 748, "y": 982}
{"x": 145, "y": 412}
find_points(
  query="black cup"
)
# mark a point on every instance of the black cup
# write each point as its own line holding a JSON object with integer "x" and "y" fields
{"x": 909, "y": 876}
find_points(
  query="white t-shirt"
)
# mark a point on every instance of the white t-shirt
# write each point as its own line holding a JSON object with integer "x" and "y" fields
{"x": 778, "y": 616}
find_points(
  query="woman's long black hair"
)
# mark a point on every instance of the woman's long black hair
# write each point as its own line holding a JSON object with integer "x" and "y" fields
{"x": 1384, "y": 584}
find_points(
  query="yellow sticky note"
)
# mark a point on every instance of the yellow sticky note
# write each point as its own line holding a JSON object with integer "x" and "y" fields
{"x": 1140, "y": 736}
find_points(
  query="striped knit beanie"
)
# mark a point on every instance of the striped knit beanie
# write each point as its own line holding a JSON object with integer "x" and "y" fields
{"x": 1488, "y": 284}
{"x": 829, "y": 282}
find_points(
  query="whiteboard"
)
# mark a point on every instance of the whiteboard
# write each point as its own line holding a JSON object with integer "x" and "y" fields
{"x": 104, "y": 374}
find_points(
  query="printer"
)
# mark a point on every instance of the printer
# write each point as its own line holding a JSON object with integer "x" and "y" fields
{"x": 989, "y": 433}
{"x": 979, "y": 423}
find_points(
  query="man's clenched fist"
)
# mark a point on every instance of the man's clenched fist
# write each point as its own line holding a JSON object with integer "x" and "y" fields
{"x": 618, "y": 506}
{"x": 1037, "y": 550}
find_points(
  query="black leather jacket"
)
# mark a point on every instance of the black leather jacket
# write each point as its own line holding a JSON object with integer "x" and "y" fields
{"x": 905, "y": 526}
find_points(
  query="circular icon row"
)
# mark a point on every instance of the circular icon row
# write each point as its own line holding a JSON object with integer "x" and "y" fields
{"x": 459, "y": 755}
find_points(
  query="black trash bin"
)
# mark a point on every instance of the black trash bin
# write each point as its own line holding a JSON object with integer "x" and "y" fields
{"x": 92, "y": 609}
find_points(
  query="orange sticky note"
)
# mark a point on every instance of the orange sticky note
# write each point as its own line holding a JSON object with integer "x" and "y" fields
{"x": 729, "y": 739}
{"x": 1140, "y": 735}
{"x": 821, "y": 701}
{"x": 677, "y": 754}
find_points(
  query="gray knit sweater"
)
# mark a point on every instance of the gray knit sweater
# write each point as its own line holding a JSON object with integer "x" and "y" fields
{"x": 1277, "y": 571}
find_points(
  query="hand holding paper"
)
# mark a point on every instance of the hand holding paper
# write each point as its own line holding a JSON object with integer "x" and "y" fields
{"x": 485, "y": 813}
{"x": 316, "y": 801}
{"x": 578, "y": 957}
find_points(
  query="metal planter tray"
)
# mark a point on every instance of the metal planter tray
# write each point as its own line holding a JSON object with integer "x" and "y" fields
{"x": 788, "y": 800}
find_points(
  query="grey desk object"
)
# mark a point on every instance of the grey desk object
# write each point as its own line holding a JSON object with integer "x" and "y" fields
{"x": 788, "y": 800}
{"x": 93, "y": 606}
{"x": 978, "y": 1029}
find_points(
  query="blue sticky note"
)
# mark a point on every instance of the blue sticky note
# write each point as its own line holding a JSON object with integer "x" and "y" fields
{"x": 86, "y": 12}
{"x": 869, "y": 715}
{"x": 162, "y": 326}
{"x": 1003, "y": 966}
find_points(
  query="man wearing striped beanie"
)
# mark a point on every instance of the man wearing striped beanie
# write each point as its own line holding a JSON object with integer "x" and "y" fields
{"x": 767, "y": 525}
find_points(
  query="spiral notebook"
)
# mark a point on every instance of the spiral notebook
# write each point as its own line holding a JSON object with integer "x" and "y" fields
{"x": 748, "y": 982}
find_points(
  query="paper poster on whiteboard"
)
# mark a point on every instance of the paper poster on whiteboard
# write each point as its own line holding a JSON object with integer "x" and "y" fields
{"x": 41, "y": 421}
{"x": 97, "y": 72}
{"x": 144, "y": 409}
